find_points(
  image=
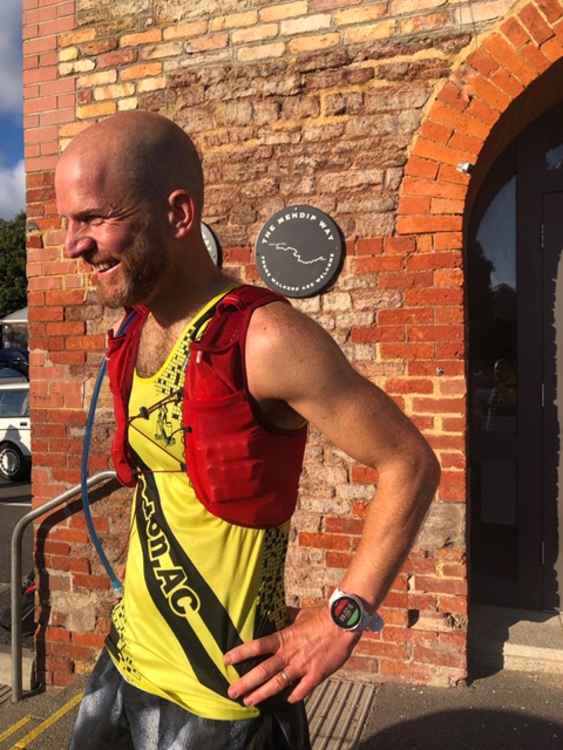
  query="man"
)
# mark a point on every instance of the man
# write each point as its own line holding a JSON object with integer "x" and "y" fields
{"x": 200, "y": 648}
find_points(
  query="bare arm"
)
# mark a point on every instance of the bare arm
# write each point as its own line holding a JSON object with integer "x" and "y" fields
{"x": 292, "y": 359}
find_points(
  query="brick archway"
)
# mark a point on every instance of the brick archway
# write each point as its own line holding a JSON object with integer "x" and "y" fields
{"x": 433, "y": 200}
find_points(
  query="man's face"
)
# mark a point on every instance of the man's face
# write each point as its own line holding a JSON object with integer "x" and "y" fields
{"x": 112, "y": 231}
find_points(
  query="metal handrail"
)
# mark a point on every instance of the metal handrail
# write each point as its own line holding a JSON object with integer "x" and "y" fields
{"x": 16, "y": 571}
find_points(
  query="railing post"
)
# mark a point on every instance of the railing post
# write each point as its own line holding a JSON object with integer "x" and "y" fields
{"x": 16, "y": 566}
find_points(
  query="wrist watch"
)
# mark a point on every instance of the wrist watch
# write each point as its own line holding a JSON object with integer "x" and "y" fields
{"x": 348, "y": 612}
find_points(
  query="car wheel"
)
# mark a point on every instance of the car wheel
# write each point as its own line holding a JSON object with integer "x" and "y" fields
{"x": 13, "y": 465}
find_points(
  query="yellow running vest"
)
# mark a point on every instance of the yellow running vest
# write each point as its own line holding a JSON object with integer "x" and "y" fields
{"x": 195, "y": 585}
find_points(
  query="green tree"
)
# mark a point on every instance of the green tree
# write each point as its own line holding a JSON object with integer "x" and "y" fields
{"x": 13, "y": 280}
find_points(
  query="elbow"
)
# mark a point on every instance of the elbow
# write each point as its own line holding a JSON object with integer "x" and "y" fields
{"x": 430, "y": 472}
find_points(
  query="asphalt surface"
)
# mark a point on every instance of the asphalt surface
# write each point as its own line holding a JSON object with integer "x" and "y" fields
{"x": 505, "y": 711}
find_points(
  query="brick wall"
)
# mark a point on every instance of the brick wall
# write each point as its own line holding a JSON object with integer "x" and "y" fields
{"x": 363, "y": 109}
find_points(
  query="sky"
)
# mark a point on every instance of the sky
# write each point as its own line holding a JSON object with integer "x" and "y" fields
{"x": 12, "y": 174}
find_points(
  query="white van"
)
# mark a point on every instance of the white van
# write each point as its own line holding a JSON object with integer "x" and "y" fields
{"x": 15, "y": 432}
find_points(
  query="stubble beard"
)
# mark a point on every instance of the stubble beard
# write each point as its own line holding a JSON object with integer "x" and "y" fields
{"x": 141, "y": 268}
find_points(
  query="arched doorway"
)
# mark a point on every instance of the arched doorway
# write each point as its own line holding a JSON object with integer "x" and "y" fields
{"x": 515, "y": 294}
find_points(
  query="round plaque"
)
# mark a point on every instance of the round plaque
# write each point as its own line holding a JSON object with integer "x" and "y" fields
{"x": 210, "y": 243}
{"x": 299, "y": 251}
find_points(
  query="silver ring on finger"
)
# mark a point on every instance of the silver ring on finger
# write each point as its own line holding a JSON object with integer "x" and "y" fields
{"x": 285, "y": 676}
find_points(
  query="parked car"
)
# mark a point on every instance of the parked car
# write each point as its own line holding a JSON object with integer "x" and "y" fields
{"x": 15, "y": 430}
{"x": 15, "y": 359}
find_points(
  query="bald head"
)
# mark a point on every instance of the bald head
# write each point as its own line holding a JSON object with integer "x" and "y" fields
{"x": 141, "y": 154}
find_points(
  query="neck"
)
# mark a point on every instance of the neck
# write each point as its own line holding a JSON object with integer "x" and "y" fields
{"x": 177, "y": 301}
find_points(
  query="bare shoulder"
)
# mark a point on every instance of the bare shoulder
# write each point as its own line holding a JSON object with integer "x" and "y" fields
{"x": 284, "y": 349}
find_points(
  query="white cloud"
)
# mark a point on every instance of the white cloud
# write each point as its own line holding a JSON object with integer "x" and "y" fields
{"x": 12, "y": 190}
{"x": 10, "y": 56}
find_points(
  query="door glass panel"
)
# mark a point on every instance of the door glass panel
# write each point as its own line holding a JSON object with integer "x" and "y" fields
{"x": 493, "y": 352}
{"x": 494, "y": 323}
{"x": 554, "y": 158}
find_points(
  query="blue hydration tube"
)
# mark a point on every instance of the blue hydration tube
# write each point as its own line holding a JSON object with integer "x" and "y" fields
{"x": 94, "y": 538}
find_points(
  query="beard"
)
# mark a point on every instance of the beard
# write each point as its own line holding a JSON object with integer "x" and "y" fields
{"x": 138, "y": 275}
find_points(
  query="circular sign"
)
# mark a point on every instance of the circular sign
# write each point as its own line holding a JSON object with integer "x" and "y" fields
{"x": 210, "y": 243}
{"x": 298, "y": 251}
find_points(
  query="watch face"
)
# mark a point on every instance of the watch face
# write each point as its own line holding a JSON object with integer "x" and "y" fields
{"x": 346, "y": 613}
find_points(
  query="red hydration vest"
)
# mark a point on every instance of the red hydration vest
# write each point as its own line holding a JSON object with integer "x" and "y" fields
{"x": 242, "y": 469}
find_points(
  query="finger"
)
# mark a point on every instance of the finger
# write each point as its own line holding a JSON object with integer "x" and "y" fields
{"x": 263, "y": 672}
{"x": 277, "y": 684}
{"x": 267, "y": 645}
{"x": 303, "y": 688}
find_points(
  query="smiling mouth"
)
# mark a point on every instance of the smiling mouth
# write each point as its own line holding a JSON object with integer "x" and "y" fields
{"x": 105, "y": 266}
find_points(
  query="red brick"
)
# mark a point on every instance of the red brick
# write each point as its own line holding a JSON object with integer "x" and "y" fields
{"x": 433, "y": 296}
{"x": 431, "y": 368}
{"x": 42, "y": 44}
{"x": 435, "y": 333}
{"x": 405, "y": 280}
{"x": 535, "y": 23}
{"x": 337, "y": 559}
{"x": 514, "y": 32}
{"x": 507, "y": 83}
{"x": 491, "y": 95}
{"x": 482, "y": 62}
{"x": 364, "y": 474}
{"x": 340, "y": 525}
{"x": 417, "y": 167}
{"x": 434, "y": 131}
{"x": 86, "y": 343}
{"x": 423, "y": 224}
{"x": 59, "y": 26}
{"x": 535, "y": 58}
{"x": 405, "y": 315}
{"x": 434, "y": 261}
{"x": 380, "y": 648}
{"x": 399, "y": 245}
{"x": 380, "y": 263}
{"x": 408, "y": 385}
{"x": 62, "y": 86}
{"x": 39, "y": 75}
{"x": 56, "y": 634}
{"x": 509, "y": 58}
{"x": 324, "y": 541}
{"x": 409, "y": 672}
{"x": 439, "y": 405}
{"x": 331, "y": 4}
{"x": 454, "y": 570}
{"x": 369, "y": 246}
{"x": 456, "y": 605}
{"x": 96, "y": 640}
{"x": 551, "y": 9}
{"x": 413, "y": 205}
{"x": 117, "y": 58}
{"x": 452, "y": 461}
{"x": 434, "y": 585}
{"x": 440, "y": 657}
{"x": 380, "y": 333}
{"x": 91, "y": 582}
{"x": 452, "y": 95}
{"x": 66, "y": 9}
{"x": 58, "y": 117}
{"x": 453, "y": 486}
{"x": 65, "y": 297}
{"x": 433, "y": 188}
{"x": 407, "y": 351}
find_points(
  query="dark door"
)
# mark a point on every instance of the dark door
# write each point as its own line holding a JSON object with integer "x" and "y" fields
{"x": 516, "y": 357}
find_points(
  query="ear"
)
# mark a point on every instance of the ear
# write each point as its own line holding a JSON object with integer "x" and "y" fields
{"x": 181, "y": 213}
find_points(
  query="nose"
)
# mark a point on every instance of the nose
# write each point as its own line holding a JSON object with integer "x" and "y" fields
{"x": 76, "y": 244}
